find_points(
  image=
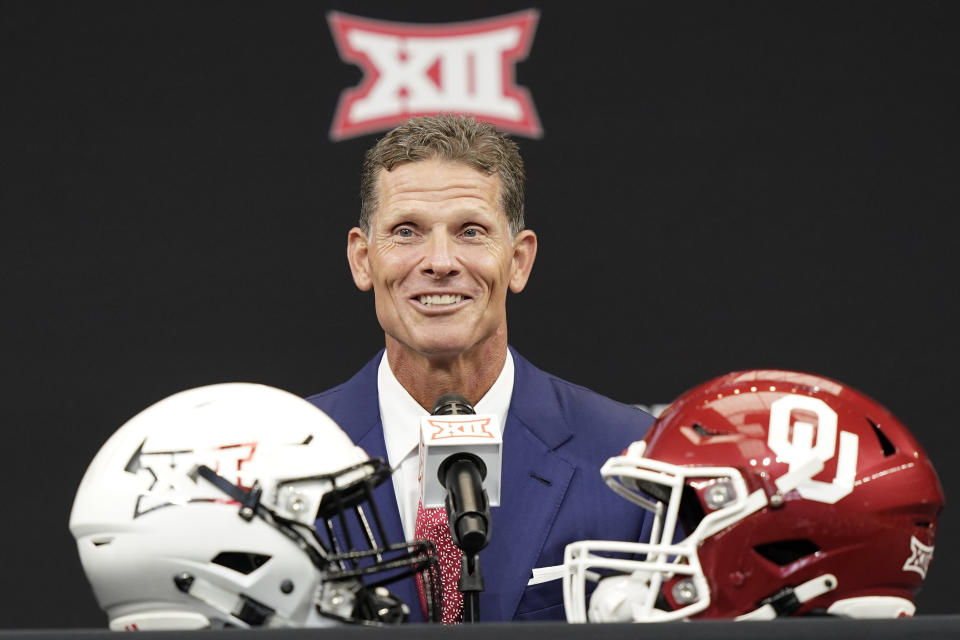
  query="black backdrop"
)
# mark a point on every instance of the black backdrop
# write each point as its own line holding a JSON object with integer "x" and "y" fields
{"x": 719, "y": 186}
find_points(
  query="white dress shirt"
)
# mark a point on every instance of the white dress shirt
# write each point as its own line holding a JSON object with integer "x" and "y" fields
{"x": 400, "y": 415}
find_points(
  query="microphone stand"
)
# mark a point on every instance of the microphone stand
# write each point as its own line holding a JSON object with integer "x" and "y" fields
{"x": 468, "y": 509}
{"x": 470, "y": 585}
{"x": 468, "y": 512}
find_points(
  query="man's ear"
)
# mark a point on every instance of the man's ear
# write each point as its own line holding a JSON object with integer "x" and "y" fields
{"x": 357, "y": 256}
{"x": 524, "y": 253}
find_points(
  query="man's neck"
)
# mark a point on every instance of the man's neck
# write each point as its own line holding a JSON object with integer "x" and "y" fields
{"x": 471, "y": 374}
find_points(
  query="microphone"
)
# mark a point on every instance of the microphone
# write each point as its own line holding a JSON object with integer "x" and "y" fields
{"x": 457, "y": 448}
{"x": 459, "y": 451}
{"x": 462, "y": 474}
{"x": 452, "y": 404}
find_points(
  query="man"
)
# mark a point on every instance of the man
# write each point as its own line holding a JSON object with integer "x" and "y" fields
{"x": 441, "y": 239}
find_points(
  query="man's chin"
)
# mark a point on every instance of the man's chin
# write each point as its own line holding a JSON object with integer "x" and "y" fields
{"x": 439, "y": 347}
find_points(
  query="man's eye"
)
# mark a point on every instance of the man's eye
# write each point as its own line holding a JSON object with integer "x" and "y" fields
{"x": 405, "y": 232}
{"x": 472, "y": 232}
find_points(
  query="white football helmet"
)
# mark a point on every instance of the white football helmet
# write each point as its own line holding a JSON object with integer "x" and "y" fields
{"x": 201, "y": 512}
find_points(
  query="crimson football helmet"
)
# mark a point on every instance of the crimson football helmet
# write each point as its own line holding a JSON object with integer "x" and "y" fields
{"x": 774, "y": 493}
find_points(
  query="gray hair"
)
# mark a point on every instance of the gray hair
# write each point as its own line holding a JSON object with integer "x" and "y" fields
{"x": 450, "y": 137}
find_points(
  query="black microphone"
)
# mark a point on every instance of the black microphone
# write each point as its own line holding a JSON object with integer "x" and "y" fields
{"x": 462, "y": 474}
{"x": 452, "y": 404}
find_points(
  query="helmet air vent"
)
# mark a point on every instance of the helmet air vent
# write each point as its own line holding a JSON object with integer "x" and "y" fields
{"x": 885, "y": 444}
{"x": 241, "y": 561}
{"x": 133, "y": 464}
{"x": 785, "y": 552}
{"x": 703, "y": 432}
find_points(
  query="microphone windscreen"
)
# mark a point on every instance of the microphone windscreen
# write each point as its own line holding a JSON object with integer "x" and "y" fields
{"x": 452, "y": 404}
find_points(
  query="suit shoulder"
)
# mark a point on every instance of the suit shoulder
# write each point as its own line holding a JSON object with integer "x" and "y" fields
{"x": 585, "y": 411}
{"x": 354, "y": 396}
{"x": 582, "y": 403}
{"x": 326, "y": 398}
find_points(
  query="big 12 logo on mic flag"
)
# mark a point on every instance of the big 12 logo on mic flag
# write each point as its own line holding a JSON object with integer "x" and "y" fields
{"x": 441, "y": 436}
{"x": 423, "y": 69}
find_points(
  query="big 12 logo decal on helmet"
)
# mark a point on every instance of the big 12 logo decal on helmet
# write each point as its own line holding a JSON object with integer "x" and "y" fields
{"x": 920, "y": 557}
{"x": 169, "y": 475}
{"x": 805, "y": 456}
{"x": 424, "y": 69}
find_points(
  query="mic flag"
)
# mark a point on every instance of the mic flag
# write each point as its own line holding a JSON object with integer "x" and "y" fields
{"x": 444, "y": 435}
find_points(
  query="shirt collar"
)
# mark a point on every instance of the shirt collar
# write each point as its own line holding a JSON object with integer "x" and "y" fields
{"x": 400, "y": 414}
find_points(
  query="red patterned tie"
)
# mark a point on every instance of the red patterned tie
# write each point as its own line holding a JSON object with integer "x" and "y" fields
{"x": 432, "y": 525}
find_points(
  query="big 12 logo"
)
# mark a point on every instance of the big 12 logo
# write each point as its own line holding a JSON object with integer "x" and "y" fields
{"x": 169, "y": 476}
{"x": 421, "y": 69}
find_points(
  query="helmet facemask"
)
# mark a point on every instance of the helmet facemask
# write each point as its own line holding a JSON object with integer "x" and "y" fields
{"x": 661, "y": 580}
{"x": 323, "y": 514}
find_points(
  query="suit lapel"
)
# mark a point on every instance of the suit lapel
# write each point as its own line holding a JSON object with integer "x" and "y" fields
{"x": 534, "y": 483}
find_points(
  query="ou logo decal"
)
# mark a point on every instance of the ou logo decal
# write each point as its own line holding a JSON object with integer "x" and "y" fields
{"x": 806, "y": 457}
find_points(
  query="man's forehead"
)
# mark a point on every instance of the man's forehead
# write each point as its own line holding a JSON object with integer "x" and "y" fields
{"x": 437, "y": 180}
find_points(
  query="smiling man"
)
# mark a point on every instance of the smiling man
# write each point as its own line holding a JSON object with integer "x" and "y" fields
{"x": 440, "y": 255}
{"x": 441, "y": 240}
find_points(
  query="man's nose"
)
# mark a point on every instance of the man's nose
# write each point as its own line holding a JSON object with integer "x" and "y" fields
{"x": 440, "y": 260}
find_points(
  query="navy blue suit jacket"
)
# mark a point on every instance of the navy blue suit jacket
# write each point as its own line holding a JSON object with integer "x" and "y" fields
{"x": 556, "y": 438}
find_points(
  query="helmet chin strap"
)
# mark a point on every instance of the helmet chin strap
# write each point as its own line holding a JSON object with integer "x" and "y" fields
{"x": 235, "y": 606}
{"x": 789, "y": 600}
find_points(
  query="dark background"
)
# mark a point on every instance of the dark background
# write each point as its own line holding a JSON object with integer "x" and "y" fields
{"x": 719, "y": 186}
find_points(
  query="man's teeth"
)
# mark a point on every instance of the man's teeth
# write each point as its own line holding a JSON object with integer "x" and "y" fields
{"x": 444, "y": 299}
